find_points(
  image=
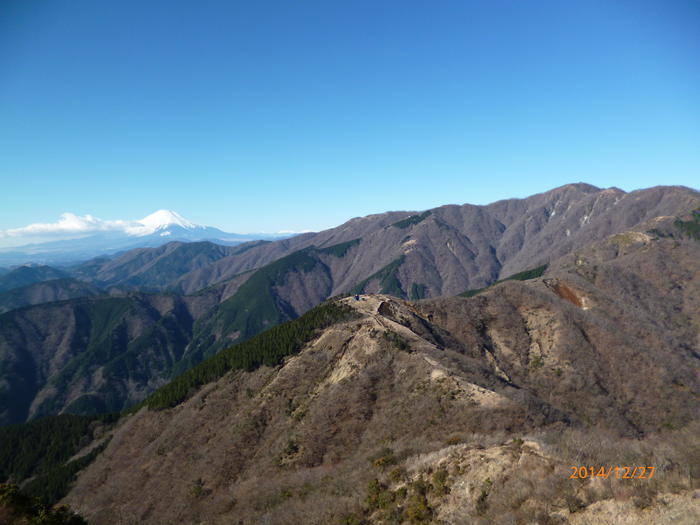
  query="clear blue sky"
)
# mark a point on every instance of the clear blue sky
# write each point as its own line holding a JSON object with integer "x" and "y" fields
{"x": 269, "y": 115}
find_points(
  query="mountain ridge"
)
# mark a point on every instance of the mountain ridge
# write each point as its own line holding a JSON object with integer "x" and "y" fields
{"x": 455, "y": 217}
{"x": 236, "y": 292}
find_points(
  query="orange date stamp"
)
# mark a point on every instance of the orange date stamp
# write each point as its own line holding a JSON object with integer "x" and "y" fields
{"x": 616, "y": 472}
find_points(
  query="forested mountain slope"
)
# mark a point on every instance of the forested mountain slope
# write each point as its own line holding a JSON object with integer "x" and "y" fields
{"x": 46, "y": 292}
{"x": 91, "y": 355}
{"x": 151, "y": 268}
{"x": 26, "y": 275}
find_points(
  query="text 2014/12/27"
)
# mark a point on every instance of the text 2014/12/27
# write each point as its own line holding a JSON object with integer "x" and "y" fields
{"x": 605, "y": 472}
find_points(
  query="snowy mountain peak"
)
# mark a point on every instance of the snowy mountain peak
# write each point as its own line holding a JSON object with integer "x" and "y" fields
{"x": 163, "y": 219}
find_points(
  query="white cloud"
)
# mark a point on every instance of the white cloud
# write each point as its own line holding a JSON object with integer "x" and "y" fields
{"x": 69, "y": 224}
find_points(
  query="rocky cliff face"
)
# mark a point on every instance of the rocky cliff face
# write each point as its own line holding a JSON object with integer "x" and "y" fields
{"x": 449, "y": 410}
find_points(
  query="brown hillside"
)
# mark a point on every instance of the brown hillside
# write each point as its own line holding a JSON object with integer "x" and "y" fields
{"x": 446, "y": 411}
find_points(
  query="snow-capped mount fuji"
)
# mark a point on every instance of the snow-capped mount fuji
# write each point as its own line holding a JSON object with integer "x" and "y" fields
{"x": 164, "y": 219}
{"x": 166, "y": 223}
{"x": 160, "y": 227}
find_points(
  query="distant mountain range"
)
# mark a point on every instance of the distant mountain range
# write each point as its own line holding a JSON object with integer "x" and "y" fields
{"x": 441, "y": 366}
{"x": 154, "y": 230}
{"x": 124, "y": 325}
